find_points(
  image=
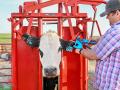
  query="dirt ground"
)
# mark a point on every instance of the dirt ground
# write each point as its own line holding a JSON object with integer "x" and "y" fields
{"x": 91, "y": 70}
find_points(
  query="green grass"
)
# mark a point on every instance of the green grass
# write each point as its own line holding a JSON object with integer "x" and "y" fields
{"x": 5, "y": 38}
{"x": 5, "y": 87}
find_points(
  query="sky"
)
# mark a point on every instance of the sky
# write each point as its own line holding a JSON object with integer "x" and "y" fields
{"x": 9, "y": 6}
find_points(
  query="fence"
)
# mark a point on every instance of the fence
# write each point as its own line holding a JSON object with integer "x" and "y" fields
{"x": 5, "y": 67}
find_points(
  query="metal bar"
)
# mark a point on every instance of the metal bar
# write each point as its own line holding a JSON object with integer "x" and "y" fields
{"x": 6, "y": 82}
{"x": 18, "y": 22}
{"x": 50, "y": 19}
{"x": 5, "y": 68}
{"x": 69, "y": 22}
{"x": 53, "y": 2}
{"x": 39, "y": 33}
{"x": 91, "y": 2}
{"x": 4, "y": 75}
{"x": 94, "y": 17}
{"x": 40, "y": 27}
{"x": 85, "y": 62}
{"x": 29, "y": 26}
{"x": 98, "y": 28}
{"x": 81, "y": 74}
{"x": 14, "y": 57}
{"x": 60, "y": 23}
{"x": 45, "y": 15}
{"x": 44, "y": 4}
{"x": 21, "y": 10}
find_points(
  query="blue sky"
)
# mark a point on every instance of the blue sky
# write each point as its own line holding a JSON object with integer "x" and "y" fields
{"x": 9, "y": 6}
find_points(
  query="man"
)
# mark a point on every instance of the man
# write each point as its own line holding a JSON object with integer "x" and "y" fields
{"x": 107, "y": 51}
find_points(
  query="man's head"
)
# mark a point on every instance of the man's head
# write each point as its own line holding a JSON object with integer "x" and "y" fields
{"x": 112, "y": 10}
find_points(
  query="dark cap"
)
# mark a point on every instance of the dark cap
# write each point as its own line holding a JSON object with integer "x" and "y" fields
{"x": 111, "y": 5}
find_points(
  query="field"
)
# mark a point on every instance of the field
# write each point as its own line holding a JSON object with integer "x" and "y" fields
{"x": 5, "y": 88}
{"x": 5, "y": 38}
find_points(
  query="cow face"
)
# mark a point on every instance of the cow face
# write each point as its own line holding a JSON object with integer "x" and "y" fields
{"x": 49, "y": 45}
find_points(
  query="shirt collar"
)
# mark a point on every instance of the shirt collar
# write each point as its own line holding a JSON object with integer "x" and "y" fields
{"x": 117, "y": 23}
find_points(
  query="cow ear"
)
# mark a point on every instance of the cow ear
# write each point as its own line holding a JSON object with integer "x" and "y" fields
{"x": 64, "y": 43}
{"x": 41, "y": 53}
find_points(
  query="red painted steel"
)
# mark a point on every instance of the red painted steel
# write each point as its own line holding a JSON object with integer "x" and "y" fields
{"x": 33, "y": 6}
{"x": 26, "y": 66}
{"x": 14, "y": 55}
{"x": 73, "y": 67}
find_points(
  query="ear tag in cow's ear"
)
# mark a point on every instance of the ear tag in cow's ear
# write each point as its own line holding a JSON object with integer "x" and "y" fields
{"x": 41, "y": 53}
{"x": 59, "y": 49}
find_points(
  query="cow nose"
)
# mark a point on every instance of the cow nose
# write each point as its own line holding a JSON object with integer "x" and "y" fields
{"x": 50, "y": 71}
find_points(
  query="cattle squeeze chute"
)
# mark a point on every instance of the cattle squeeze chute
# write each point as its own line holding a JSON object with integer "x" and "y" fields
{"x": 27, "y": 66}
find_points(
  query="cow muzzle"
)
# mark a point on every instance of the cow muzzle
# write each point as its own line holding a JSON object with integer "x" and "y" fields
{"x": 50, "y": 71}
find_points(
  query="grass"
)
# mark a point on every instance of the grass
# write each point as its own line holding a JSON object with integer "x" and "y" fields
{"x": 5, "y": 38}
{"x": 5, "y": 87}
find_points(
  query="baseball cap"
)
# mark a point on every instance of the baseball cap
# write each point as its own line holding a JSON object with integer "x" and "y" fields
{"x": 111, "y": 5}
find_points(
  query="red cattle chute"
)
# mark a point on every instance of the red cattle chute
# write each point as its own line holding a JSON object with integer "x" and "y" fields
{"x": 26, "y": 65}
{"x": 74, "y": 73}
{"x": 27, "y": 74}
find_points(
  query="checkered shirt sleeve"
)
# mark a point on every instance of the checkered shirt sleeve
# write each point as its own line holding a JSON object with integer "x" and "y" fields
{"x": 107, "y": 44}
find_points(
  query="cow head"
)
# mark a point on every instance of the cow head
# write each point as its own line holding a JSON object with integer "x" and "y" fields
{"x": 49, "y": 45}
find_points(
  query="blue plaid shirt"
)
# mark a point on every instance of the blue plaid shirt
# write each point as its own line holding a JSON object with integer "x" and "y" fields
{"x": 107, "y": 73}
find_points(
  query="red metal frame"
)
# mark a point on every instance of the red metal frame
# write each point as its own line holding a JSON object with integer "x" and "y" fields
{"x": 73, "y": 73}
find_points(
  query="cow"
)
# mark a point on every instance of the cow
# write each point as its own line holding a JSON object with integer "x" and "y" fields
{"x": 50, "y": 46}
{"x": 51, "y": 58}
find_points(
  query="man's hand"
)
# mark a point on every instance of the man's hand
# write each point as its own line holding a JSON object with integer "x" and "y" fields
{"x": 88, "y": 53}
{"x": 97, "y": 38}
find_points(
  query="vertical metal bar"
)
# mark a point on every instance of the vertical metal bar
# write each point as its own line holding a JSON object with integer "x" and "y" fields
{"x": 98, "y": 28}
{"x": 20, "y": 10}
{"x": 60, "y": 33}
{"x": 74, "y": 9}
{"x": 81, "y": 72}
{"x": 40, "y": 27}
{"x": 69, "y": 22}
{"x": 40, "y": 31}
{"x": 14, "y": 53}
{"x": 81, "y": 59}
{"x": 93, "y": 24}
{"x": 29, "y": 25}
{"x": 60, "y": 23}
{"x": 85, "y": 62}
{"x": 20, "y": 23}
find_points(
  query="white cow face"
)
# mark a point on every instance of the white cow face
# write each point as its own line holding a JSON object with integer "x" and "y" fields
{"x": 49, "y": 45}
